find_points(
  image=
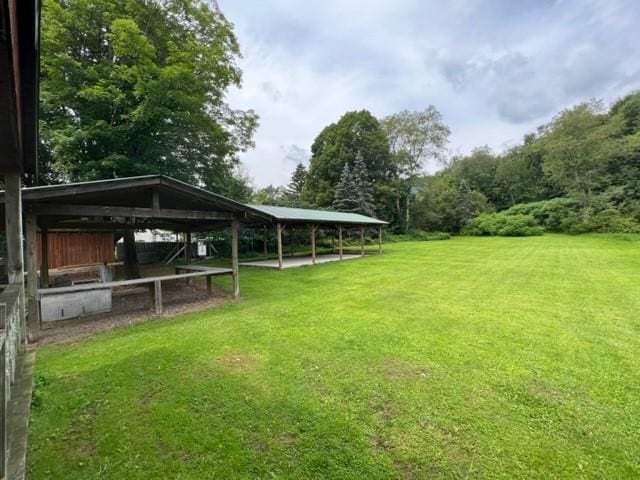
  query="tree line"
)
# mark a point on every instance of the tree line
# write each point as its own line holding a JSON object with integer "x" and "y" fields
{"x": 133, "y": 87}
{"x": 578, "y": 173}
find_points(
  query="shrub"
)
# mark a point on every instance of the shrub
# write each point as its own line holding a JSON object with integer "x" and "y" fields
{"x": 503, "y": 224}
{"x": 420, "y": 235}
{"x": 607, "y": 221}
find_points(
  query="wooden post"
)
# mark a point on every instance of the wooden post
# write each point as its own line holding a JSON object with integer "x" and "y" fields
{"x": 362, "y": 241}
{"x": 265, "y": 242}
{"x": 155, "y": 200}
{"x": 380, "y": 239}
{"x": 44, "y": 257}
{"x": 33, "y": 323}
{"x": 279, "y": 240}
{"x": 187, "y": 248}
{"x": 313, "y": 229}
{"x": 333, "y": 242}
{"x": 209, "y": 285}
{"x": 13, "y": 231}
{"x": 234, "y": 257}
{"x": 157, "y": 296}
{"x": 340, "y": 241}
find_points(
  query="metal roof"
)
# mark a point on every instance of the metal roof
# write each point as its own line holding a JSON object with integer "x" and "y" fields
{"x": 305, "y": 215}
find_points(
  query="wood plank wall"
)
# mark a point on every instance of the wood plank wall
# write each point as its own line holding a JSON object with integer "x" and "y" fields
{"x": 77, "y": 248}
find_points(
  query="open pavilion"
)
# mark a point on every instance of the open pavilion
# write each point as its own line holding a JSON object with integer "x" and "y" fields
{"x": 148, "y": 202}
{"x": 337, "y": 223}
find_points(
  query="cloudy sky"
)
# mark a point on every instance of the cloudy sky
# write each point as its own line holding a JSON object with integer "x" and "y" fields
{"x": 494, "y": 69}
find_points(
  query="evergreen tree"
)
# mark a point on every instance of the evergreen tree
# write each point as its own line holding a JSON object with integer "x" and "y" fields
{"x": 296, "y": 184}
{"x": 363, "y": 188}
{"x": 346, "y": 197}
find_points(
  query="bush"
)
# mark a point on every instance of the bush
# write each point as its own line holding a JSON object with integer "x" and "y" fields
{"x": 607, "y": 221}
{"x": 555, "y": 215}
{"x": 503, "y": 224}
{"x": 419, "y": 235}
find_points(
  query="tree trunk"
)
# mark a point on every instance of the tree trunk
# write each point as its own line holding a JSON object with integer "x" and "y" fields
{"x": 131, "y": 269}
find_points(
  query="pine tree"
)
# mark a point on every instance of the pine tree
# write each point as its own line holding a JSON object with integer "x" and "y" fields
{"x": 296, "y": 184}
{"x": 346, "y": 192}
{"x": 363, "y": 187}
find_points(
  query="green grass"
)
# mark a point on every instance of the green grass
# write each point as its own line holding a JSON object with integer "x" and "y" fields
{"x": 473, "y": 357}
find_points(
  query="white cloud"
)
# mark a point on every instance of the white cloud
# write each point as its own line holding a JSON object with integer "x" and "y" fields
{"x": 494, "y": 70}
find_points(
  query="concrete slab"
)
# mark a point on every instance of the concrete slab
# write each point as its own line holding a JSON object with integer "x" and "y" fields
{"x": 293, "y": 262}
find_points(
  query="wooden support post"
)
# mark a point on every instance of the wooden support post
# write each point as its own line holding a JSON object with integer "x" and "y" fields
{"x": 13, "y": 232}
{"x": 265, "y": 242}
{"x": 33, "y": 323}
{"x": 291, "y": 242}
{"x": 44, "y": 257}
{"x": 340, "y": 241}
{"x": 333, "y": 242}
{"x": 234, "y": 257}
{"x": 155, "y": 200}
{"x": 209, "y": 285}
{"x": 362, "y": 241}
{"x": 313, "y": 229}
{"x": 380, "y": 239}
{"x": 279, "y": 241}
{"x": 157, "y": 296}
{"x": 187, "y": 248}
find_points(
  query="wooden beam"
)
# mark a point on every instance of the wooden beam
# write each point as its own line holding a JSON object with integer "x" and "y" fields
{"x": 380, "y": 239}
{"x": 13, "y": 232}
{"x": 200, "y": 226}
{"x": 362, "y": 241}
{"x": 138, "y": 212}
{"x": 265, "y": 242}
{"x": 279, "y": 241}
{"x": 340, "y": 241}
{"x": 313, "y": 229}
{"x": 234, "y": 257}
{"x": 44, "y": 257}
{"x": 33, "y": 323}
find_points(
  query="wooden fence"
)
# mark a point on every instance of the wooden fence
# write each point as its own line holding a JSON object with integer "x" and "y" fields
{"x": 11, "y": 337}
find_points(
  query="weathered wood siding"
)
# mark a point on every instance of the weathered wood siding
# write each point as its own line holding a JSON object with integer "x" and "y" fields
{"x": 77, "y": 248}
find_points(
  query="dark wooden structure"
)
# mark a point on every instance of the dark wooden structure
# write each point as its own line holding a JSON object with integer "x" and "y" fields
{"x": 148, "y": 202}
{"x": 19, "y": 65}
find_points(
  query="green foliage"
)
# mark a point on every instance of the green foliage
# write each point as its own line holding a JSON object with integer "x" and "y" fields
{"x": 130, "y": 87}
{"x": 579, "y": 173}
{"x": 417, "y": 235}
{"x": 504, "y": 225}
{"x": 356, "y": 133}
{"x": 271, "y": 195}
{"x": 38, "y": 389}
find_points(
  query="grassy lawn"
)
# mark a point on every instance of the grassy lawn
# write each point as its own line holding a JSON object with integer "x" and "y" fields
{"x": 473, "y": 357}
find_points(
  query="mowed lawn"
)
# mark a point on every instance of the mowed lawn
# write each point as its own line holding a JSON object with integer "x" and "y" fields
{"x": 472, "y": 357}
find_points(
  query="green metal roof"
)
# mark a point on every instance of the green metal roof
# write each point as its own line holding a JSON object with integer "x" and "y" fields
{"x": 321, "y": 216}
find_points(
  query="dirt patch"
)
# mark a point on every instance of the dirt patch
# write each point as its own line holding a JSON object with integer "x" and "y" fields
{"x": 237, "y": 361}
{"x": 133, "y": 306}
{"x": 383, "y": 409}
{"x": 540, "y": 389}
{"x": 79, "y": 435}
{"x": 395, "y": 369}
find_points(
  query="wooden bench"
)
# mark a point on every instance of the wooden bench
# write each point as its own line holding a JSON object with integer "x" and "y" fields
{"x": 155, "y": 284}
